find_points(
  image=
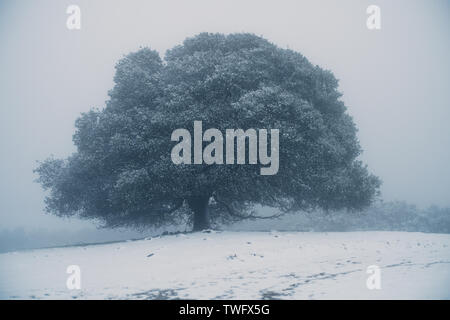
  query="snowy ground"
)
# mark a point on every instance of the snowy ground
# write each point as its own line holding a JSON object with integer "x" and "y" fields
{"x": 237, "y": 265}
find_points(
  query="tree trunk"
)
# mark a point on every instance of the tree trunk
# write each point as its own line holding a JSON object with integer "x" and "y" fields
{"x": 199, "y": 205}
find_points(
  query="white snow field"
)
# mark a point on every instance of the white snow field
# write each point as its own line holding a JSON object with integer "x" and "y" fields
{"x": 237, "y": 265}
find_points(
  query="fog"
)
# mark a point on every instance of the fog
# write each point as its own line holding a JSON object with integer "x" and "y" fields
{"x": 394, "y": 80}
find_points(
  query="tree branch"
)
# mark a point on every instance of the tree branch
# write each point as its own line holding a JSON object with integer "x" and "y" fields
{"x": 232, "y": 212}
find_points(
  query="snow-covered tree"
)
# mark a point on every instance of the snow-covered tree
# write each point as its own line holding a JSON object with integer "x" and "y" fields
{"x": 122, "y": 173}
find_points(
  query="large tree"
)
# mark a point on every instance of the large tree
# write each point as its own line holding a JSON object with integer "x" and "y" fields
{"x": 122, "y": 172}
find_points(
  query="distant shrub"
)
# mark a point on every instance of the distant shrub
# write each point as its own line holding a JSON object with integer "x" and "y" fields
{"x": 381, "y": 216}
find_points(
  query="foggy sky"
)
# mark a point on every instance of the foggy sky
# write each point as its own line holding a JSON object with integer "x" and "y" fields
{"x": 395, "y": 80}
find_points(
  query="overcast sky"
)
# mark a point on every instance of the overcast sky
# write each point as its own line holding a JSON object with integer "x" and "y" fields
{"x": 395, "y": 80}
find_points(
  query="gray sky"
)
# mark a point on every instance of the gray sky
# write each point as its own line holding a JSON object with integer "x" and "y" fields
{"x": 395, "y": 80}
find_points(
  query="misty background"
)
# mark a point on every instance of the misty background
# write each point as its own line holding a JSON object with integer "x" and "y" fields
{"x": 394, "y": 82}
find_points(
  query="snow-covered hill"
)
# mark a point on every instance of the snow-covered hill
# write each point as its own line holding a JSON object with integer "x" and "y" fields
{"x": 237, "y": 265}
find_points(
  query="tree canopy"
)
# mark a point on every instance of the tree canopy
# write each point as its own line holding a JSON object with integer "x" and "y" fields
{"x": 122, "y": 172}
